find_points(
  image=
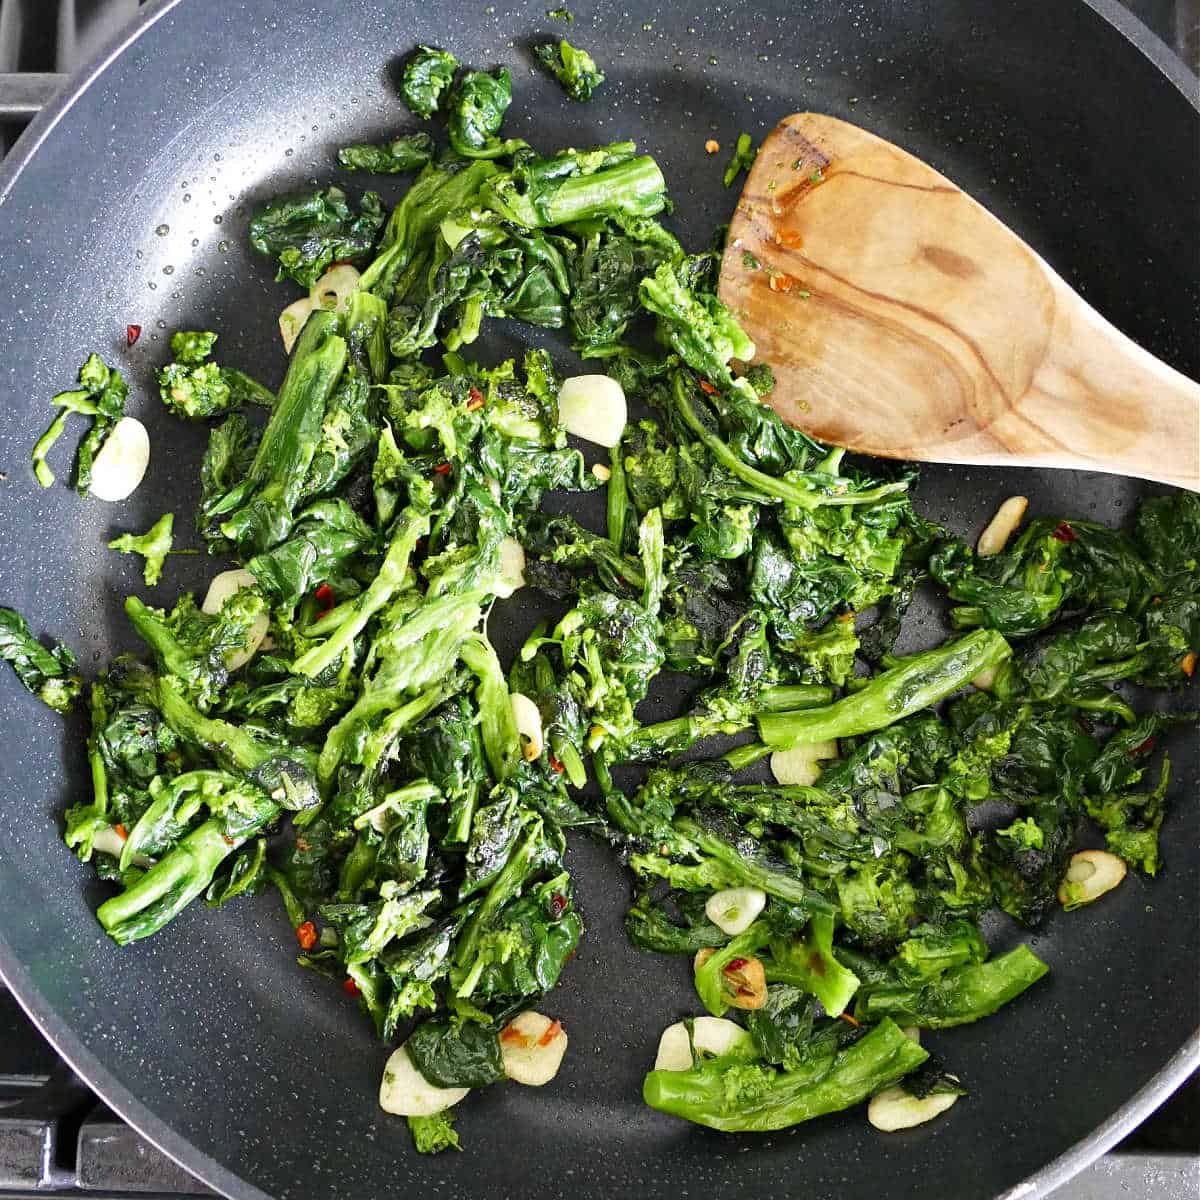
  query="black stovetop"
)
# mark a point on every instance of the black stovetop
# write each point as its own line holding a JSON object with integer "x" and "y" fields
{"x": 56, "y": 1137}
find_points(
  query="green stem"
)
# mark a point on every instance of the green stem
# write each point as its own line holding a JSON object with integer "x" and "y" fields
{"x": 618, "y": 498}
{"x": 168, "y": 887}
{"x": 918, "y": 682}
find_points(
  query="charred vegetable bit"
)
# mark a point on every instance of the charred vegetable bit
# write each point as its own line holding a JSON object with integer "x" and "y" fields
{"x": 333, "y": 722}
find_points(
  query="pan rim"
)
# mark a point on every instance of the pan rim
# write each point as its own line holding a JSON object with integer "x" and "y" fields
{"x": 198, "y": 1162}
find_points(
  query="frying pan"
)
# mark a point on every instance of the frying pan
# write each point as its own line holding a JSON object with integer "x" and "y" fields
{"x": 126, "y": 203}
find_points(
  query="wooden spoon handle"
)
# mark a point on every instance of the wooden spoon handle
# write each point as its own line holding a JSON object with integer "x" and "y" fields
{"x": 904, "y": 320}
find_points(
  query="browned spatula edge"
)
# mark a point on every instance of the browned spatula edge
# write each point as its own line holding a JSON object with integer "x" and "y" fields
{"x": 903, "y": 320}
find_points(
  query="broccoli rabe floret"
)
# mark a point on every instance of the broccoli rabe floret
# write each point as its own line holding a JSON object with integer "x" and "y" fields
{"x": 194, "y": 388}
{"x": 574, "y": 69}
{"x": 154, "y": 545}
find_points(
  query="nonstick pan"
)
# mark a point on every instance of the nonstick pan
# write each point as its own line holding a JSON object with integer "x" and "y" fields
{"x": 126, "y": 203}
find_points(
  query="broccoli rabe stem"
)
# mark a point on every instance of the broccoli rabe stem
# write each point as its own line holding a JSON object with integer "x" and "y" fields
{"x": 677, "y": 734}
{"x": 770, "y": 485}
{"x": 710, "y": 1095}
{"x": 635, "y": 187}
{"x": 168, "y": 887}
{"x": 618, "y": 499}
{"x": 411, "y": 526}
{"x": 748, "y": 871}
{"x": 497, "y": 725}
{"x": 961, "y": 995}
{"x": 919, "y": 681}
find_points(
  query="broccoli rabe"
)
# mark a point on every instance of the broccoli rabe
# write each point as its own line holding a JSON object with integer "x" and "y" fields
{"x": 194, "y": 388}
{"x": 101, "y": 395}
{"x": 343, "y": 729}
{"x": 409, "y": 152}
{"x": 48, "y": 674}
{"x": 154, "y": 545}
{"x": 574, "y": 69}
{"x": 427, "y": 75}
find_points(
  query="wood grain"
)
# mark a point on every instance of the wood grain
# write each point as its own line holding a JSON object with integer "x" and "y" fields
{"x": 904, "y": 320}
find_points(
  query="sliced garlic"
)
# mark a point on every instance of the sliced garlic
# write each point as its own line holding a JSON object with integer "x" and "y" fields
{"x": 512, "y": 568}
{"x": 1090, "y": 874}
{"x": 894, "y": 1108}
{"x": 733, "y": 910}
{"x": 593, "y": 407}
{"x": 601, "y": 472}
{"x": 292, "y": 320}
{"x": 407, "y": 1093}
{"x": 121, "y": 464}
{"x": 986, "y": 679}
{"x": 1001, "y": 527}
{"x": 529, "y": 725}
{"x": 712, "y": 1035}
{"x": 334, "y": 289}
{"x": 532, "y": 1048}
{"x": 109, "y": 841}
{"x": 220, "y": 589}
{"x": 800, "y": 765}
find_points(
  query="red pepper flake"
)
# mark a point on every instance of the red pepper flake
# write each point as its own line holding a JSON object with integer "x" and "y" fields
{"x": 442, "y": 469}
{"x": 121, "y": 832}
{"x": 228, "y": 840}
{"x": 510, "y": 1033}
{"x": 850, "y": 1020}
{"x": 1188, "y": 666}
{"x": 736, "y": 964}
{"x": 707, "y": 388}
{"x": 555, "y": 765}
{"x": 325, "y": 597}
{"x": 745, "y": 991}
{"x": 558, "y": 902}
{"x": 132, "y": 333}
{"x": 306, "y": 935}
{"x": 1063, "y": 532}
{"x": 552, "y": 1031}
{"x": 1144, "y": 748}
{"x": 779, "y": 282}
{"x": 350, "y": 987}
{"x": 789, "y": 238}
{"x": 475, "y": 399}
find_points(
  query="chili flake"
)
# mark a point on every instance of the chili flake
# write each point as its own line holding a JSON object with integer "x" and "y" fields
{"x": 132, "y": 333}
{"x": 1063, "y": 532}
{"x": 306, "y": 935}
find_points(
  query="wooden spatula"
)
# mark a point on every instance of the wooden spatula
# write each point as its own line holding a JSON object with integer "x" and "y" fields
{"x": 902, "y": 319}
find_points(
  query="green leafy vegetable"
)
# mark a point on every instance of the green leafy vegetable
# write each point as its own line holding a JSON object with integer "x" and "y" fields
{"x": 574, "y": 69}
{"x": 427, "y": 75}
{"x": 48, "y": 674}
{"x": 154, "y": 545}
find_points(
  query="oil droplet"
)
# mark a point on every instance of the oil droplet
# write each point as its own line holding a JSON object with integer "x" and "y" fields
{"x": 218, "y": 219}
{"x": 195, "y": 241}
{"x": 222, "y": 246}
{"x": 168, "y": 269}
{"x": 712, "y": 60}
{"x": 186, "y": 197}
{"x": 288, "y": 152}
{"x": 162, "y": 230}
{"x": 161, "y": 324}
{"x": 153, "y": 286}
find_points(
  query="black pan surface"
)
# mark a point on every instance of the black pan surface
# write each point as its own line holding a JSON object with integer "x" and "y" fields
{"x": 127, "y": 203}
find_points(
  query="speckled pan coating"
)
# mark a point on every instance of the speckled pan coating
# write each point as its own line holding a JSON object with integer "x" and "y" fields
{"x": 126, "y": 203}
